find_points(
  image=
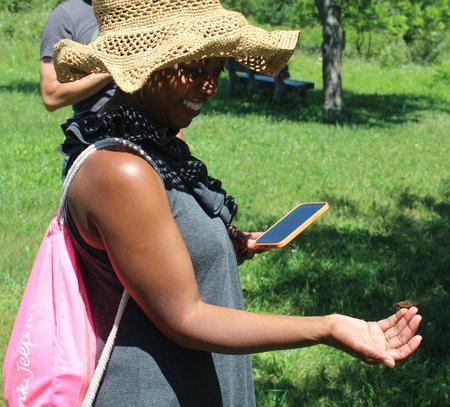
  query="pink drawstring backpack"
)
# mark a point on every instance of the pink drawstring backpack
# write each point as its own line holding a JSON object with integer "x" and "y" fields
{"x": 50, "y": 360}
{"x": 51, "y": 353}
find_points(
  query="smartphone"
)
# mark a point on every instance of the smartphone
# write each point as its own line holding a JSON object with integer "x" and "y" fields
{"x": 291, "y": 225}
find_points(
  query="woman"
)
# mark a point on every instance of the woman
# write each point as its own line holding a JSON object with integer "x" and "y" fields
{"x": 160, "y": 230}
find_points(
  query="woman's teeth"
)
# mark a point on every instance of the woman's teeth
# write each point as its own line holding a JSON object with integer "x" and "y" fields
{"x": 193, "y": 106}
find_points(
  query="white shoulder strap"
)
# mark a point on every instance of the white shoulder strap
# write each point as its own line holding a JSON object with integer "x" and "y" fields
{"x": 81, "y": 159}
{"x": 91, "y": 393}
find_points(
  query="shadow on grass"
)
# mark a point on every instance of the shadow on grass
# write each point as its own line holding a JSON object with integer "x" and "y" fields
{"x": 354, "y": 271}
{"x": 18, "y": 86}
{"x": 371, "y": 110}
{"x": 356, "y": 384}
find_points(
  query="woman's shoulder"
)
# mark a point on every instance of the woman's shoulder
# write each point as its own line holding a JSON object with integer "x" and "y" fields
{"x": 111, "y": 178}
{"x": 112, "y": 190}
{"x": 116, "y": 168}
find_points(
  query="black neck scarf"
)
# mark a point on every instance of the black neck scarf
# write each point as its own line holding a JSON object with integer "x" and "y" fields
{"x": 168, "y": 150}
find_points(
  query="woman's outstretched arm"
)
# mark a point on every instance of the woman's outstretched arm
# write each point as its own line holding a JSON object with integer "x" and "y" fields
{"x": 120, "y": 205}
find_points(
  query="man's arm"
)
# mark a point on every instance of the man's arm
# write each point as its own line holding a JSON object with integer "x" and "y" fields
{"x": 56, "y": 94}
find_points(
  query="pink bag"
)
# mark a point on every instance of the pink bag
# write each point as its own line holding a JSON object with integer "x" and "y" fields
{"x": 51, "y": 353}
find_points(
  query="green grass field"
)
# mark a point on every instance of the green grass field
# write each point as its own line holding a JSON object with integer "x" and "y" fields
{"x": 383, "y": 168}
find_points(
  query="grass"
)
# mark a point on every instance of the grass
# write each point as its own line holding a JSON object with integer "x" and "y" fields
{"x": 383, "y": 167}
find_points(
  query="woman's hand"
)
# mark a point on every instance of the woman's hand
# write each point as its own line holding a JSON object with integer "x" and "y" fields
{"x": 244, "y": 243}
{"x": 386, "y": 341}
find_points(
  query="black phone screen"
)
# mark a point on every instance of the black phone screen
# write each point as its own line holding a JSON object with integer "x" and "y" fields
{"x": 290, "y": 223}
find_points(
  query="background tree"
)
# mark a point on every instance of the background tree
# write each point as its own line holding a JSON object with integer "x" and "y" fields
{"x": 365, "y": 17}
{"x": 332, "y": 48}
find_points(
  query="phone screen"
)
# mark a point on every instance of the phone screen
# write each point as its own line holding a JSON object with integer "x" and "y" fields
{"x": 302, "y": 215}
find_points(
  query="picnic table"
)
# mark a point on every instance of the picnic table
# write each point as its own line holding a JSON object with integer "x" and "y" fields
{"x": 268, "y": 81}
{"x": 238, "y": 73}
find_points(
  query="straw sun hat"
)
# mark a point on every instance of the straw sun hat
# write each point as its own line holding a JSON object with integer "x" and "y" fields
{"x": 139, "y": 37}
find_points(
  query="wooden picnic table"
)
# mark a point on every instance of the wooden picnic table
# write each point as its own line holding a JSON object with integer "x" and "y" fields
{"x": 238, "y": 73}
{"x": 267, "y": 81}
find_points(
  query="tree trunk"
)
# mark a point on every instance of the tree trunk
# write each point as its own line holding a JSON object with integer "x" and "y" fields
{"x": 332, "y": 47}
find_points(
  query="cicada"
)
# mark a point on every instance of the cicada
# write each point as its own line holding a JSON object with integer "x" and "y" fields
{"x": 406, "y": 304}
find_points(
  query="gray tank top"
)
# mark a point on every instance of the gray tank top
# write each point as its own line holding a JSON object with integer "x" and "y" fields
{"x": 146, "y": 368}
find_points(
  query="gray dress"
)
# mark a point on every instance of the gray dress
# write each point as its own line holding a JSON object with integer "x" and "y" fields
{"x": 146, "y": 368}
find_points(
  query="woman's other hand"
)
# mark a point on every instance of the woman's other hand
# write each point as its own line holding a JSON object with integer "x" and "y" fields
{"x": 387, "y": 341}
{"x": 244, "y": 243}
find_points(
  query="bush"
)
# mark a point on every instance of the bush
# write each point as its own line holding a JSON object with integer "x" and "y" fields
{"x": 24, "y": 25}
{"x": 442, "y": 71}
{"x": 422, "y": 24}
{"x": 395, "y": 53}
{"x": 17, "y": 6}
{"x": 24, "y": 18}
{"x": 14, "y": 6}
{"x": 271, "y": 12}
{"x": 303, "y": 12}
{"x": 295, "y": 13}
{"x": 245, "y": 6}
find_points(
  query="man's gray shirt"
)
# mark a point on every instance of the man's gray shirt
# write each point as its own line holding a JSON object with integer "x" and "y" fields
{"x": 74, "y": 20}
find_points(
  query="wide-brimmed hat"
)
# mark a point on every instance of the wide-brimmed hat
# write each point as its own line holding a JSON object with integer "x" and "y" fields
{"x": 139, "y": 37}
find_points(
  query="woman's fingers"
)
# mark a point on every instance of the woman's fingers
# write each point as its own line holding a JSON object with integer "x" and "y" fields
{"x": 405, "y": 350}
{"x": 253, "y": 235}
{"x": 400, "y": 332}
{"x": 406, "y": 326}
{"x": 389, "y": 322}
{"x": 398, "y": 336}
{"x": 251, "y": 246}
{"x": 398, "y": 321}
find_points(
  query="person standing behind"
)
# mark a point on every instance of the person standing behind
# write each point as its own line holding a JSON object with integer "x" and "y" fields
{"x": 74, "y": 20}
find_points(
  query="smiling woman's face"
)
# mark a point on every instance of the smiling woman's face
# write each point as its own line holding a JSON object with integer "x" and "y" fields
{"x": 174, "y": 96}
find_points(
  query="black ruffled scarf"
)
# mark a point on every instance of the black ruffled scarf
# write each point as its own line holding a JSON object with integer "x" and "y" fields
{"x": 166, "y": 151}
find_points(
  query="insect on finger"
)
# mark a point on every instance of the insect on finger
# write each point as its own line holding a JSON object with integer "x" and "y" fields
{"x": 406, "y": 304}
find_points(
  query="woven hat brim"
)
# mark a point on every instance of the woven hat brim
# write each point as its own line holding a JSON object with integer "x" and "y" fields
{"x": 132, "y": 56}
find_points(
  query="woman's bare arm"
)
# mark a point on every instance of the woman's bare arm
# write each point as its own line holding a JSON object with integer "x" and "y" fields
{"x": 119, "y": 204}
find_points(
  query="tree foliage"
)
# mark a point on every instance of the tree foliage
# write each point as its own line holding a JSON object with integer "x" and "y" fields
{"x": 421, "y": 24}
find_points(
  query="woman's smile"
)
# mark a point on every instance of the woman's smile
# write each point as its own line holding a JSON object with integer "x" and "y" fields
{"x": 194, "y": 107}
